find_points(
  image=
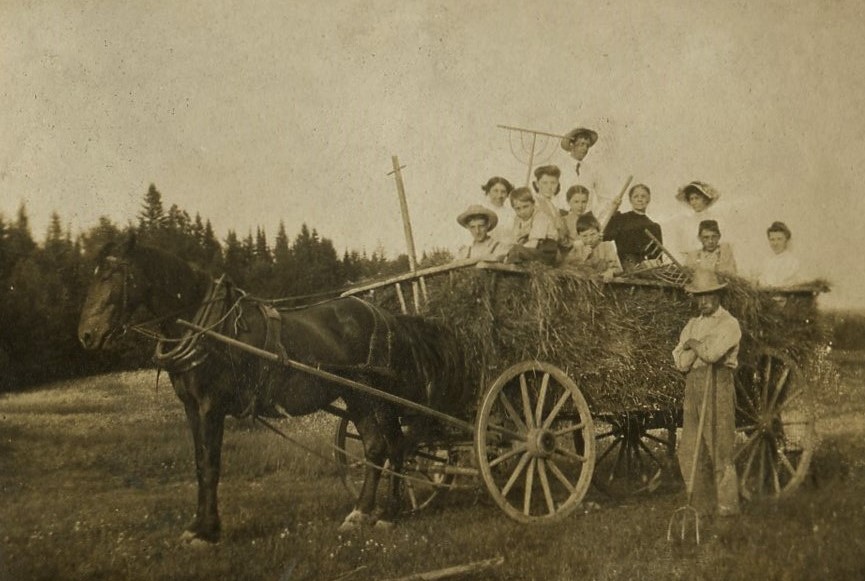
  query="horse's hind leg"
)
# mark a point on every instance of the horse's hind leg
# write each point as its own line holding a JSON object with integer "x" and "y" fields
{"x": 375, "y": 447}
{"x": 397, "y": 448}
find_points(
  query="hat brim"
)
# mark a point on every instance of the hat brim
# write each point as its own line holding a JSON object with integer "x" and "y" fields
{"x": 709, "y": 192}
{"x": 570, "y": 136}
{"x": 492, "y": 218}
{"x": 704, "y": 291}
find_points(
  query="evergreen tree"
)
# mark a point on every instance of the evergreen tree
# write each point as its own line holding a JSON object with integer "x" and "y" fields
{"x": 151, "y": 218}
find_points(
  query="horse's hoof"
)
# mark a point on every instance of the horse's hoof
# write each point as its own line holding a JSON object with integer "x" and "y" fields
{"x": 193, "y": 539}
{"x": 355, "y": 520}
{"x": 384, "y": 525}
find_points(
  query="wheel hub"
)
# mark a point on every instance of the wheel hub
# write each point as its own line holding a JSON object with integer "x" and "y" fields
{"x": 541, "y": 443}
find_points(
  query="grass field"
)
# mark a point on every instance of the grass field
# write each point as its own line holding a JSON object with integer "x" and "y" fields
{"x": 97, "y": 482}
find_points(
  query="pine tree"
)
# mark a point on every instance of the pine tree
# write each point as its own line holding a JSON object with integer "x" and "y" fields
{"x": 152, "y": 217}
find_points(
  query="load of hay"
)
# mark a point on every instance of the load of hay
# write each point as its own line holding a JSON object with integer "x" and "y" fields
{"x": 614, "y": 339}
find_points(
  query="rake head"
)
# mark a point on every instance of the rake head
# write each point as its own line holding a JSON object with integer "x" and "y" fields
{"x": 683, "y": 514}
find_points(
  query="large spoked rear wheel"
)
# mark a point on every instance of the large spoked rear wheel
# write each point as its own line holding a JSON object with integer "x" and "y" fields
{"x": 425, "y": 468}
{"x": 774, "y": 425}
{"x": 535, "y": 443}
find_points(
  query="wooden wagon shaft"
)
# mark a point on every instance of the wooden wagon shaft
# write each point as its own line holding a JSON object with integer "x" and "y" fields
{"x": 413, "y": 276}
{"x": 343, "y": 381}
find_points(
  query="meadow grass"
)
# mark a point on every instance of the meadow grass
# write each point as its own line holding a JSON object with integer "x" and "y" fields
{"x": 97, "y": 481}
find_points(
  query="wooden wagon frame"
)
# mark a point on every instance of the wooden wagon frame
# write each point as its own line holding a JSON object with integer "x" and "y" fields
{"x": 538, "y": 446}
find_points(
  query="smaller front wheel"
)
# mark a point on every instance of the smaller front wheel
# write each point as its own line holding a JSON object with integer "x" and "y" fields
{"x": 535, "y": 443}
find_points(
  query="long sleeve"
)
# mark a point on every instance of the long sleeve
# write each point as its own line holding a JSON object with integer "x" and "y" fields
{"x": 684, "y": 358}
{"x": 721, "y": 341}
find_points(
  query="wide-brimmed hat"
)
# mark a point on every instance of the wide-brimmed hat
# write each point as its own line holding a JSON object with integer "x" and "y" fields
{"x": 572, "y": 135}
{"x": 476, "y": 210}
{"x": 703, "y": 282}
{"x": 701, "y": 188}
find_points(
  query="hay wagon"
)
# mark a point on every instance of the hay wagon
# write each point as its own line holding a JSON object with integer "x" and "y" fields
{"x": 575, "y": 385}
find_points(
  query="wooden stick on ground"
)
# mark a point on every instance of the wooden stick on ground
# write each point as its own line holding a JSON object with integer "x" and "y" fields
{"x": 468, "y": 568}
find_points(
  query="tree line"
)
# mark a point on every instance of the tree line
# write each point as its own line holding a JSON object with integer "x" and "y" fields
{"x": 42, "y": 286}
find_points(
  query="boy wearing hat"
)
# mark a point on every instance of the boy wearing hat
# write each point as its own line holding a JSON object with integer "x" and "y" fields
{"x": 714, "y": 255}
{"x": 479, "y": 220}
{"x": 707, "y": 352}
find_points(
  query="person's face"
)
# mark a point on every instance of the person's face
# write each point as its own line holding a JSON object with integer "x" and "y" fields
{"x": 778, "y": 242}
{"x": 479, "y": 228}
{"x": 698, "y": 201}
{"x": 578, "y": 204}
{"x": 590, "y": 237}
{"x": 640, "y": 199}
{"x": 497, "y": 195}
{"x": 547, "y": 185}
{"x": 580, "y": 148}
{"x": 708, "y": 303}
{"x": 710, "y": 240}
{"x": 524, "y": 208}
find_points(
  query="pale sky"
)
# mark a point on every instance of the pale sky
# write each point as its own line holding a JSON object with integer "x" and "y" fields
{"x": 292, "y": 110}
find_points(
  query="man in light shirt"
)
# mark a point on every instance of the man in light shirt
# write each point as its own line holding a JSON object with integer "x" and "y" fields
{"x": 707, "y": 352}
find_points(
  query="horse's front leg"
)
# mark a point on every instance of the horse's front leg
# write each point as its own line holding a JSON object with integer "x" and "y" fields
{"x": 207, "y": 428}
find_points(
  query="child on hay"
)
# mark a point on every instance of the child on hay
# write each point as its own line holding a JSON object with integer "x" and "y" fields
{"x": 547, "y": 186}
{"x": 628, "y": 230}
{"x": 577, "y": 197}
{"x": 714, "y": 255}
{"x": 537, "y": 238}
{"x": 709, "y": 344}
{"x": 594, "y": 255}
{"x": 479, "y": 220}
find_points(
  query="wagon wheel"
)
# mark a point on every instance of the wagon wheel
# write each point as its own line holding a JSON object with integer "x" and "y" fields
{"x": 425, "y": 467}
{"x": 634, "y": 451}
{"x": 525, "y": 442}
{"x": 774, "y": 426}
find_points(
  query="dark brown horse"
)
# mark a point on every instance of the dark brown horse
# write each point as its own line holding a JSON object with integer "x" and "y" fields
{"x": 405, "y": 356}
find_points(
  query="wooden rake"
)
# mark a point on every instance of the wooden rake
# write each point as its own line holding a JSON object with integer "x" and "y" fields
{"x": 685, "y": 511}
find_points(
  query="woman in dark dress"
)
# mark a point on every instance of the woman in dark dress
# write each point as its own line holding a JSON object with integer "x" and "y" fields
{"x": 627, "y": 230}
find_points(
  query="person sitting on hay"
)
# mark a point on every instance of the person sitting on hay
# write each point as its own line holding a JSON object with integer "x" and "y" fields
{"x": 700, "y": 198}
{"x": 707, "y": 352}
{"x": 593, "y": 255}
{"x": 714, "y": 255}
{"x": 537, "y": 238}
{"x": 628, "y": 230}
{"x": 479, "y": 220}
{"x": 782, "y": 268}
{"x": 578, "y": 203}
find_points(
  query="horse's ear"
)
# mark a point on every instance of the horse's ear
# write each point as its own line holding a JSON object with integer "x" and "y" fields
{"x": 128, "y": 244}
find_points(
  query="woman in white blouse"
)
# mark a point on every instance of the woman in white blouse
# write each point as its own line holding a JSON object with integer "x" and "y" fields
{"x": 782, "y": 268}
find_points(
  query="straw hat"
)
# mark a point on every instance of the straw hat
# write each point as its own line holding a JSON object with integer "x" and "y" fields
{"x": 704, "y": 282}
{"x": 570, "y": 136}
{"x": 701, "y": 188}
{"x": 476, "y": 210}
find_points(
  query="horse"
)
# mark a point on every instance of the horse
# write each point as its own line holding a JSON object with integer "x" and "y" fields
{"x": 406, "y": 356}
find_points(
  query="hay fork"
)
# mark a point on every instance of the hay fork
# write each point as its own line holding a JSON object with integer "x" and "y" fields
{"x": 685, "y": 510}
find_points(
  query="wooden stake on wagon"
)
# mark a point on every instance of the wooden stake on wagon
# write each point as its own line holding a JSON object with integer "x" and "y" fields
{"x": 406, "y": 224}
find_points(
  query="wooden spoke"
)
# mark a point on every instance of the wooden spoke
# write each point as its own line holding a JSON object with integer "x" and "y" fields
{"x": 791, "y": 397}
{"x": 752, "y": 411}
{"x": 542, "y": 396}
{"x": 556, "y": 409}
{"x": 557, "y": 472}
{"x": 650, "y": 453}
{"x": 605, "y": 434}
{"x": 775, "y": 481}
{"x": 509, "y": 454}
{"x": 527, "y": 493}
{"x": 527, "y": 405}
{"x": 352, "y": 436}
{"x": 786, "y": 462}
{"x": 571, "y": 455}
{"x": 766, "y": 378}
{"x": 569, "y": 430}
{"x": 762, "y": 480}
{"x": 409, "y": 485}
{"x": 746, "y": 445}
{"x": 617, "y": 442}
{"x": 545, "y": 484}
{"x": 747, "y": 428}
{"x": 779, "y": 387}
{"x": 512, "y": 412}
{"x": 516, "y": 474}
{"x": 747, "y": 470}
{"x": 656, "y": 439}
{"x": 619, "y": 456}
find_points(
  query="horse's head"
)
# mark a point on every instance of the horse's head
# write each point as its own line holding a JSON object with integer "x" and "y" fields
{"x": 114, "y": 294}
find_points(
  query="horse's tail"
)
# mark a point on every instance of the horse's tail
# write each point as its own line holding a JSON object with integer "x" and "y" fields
{"x": 437, "y": 362}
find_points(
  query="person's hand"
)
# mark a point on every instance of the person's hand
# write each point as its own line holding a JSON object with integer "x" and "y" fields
{"x": 608, "y": 276}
